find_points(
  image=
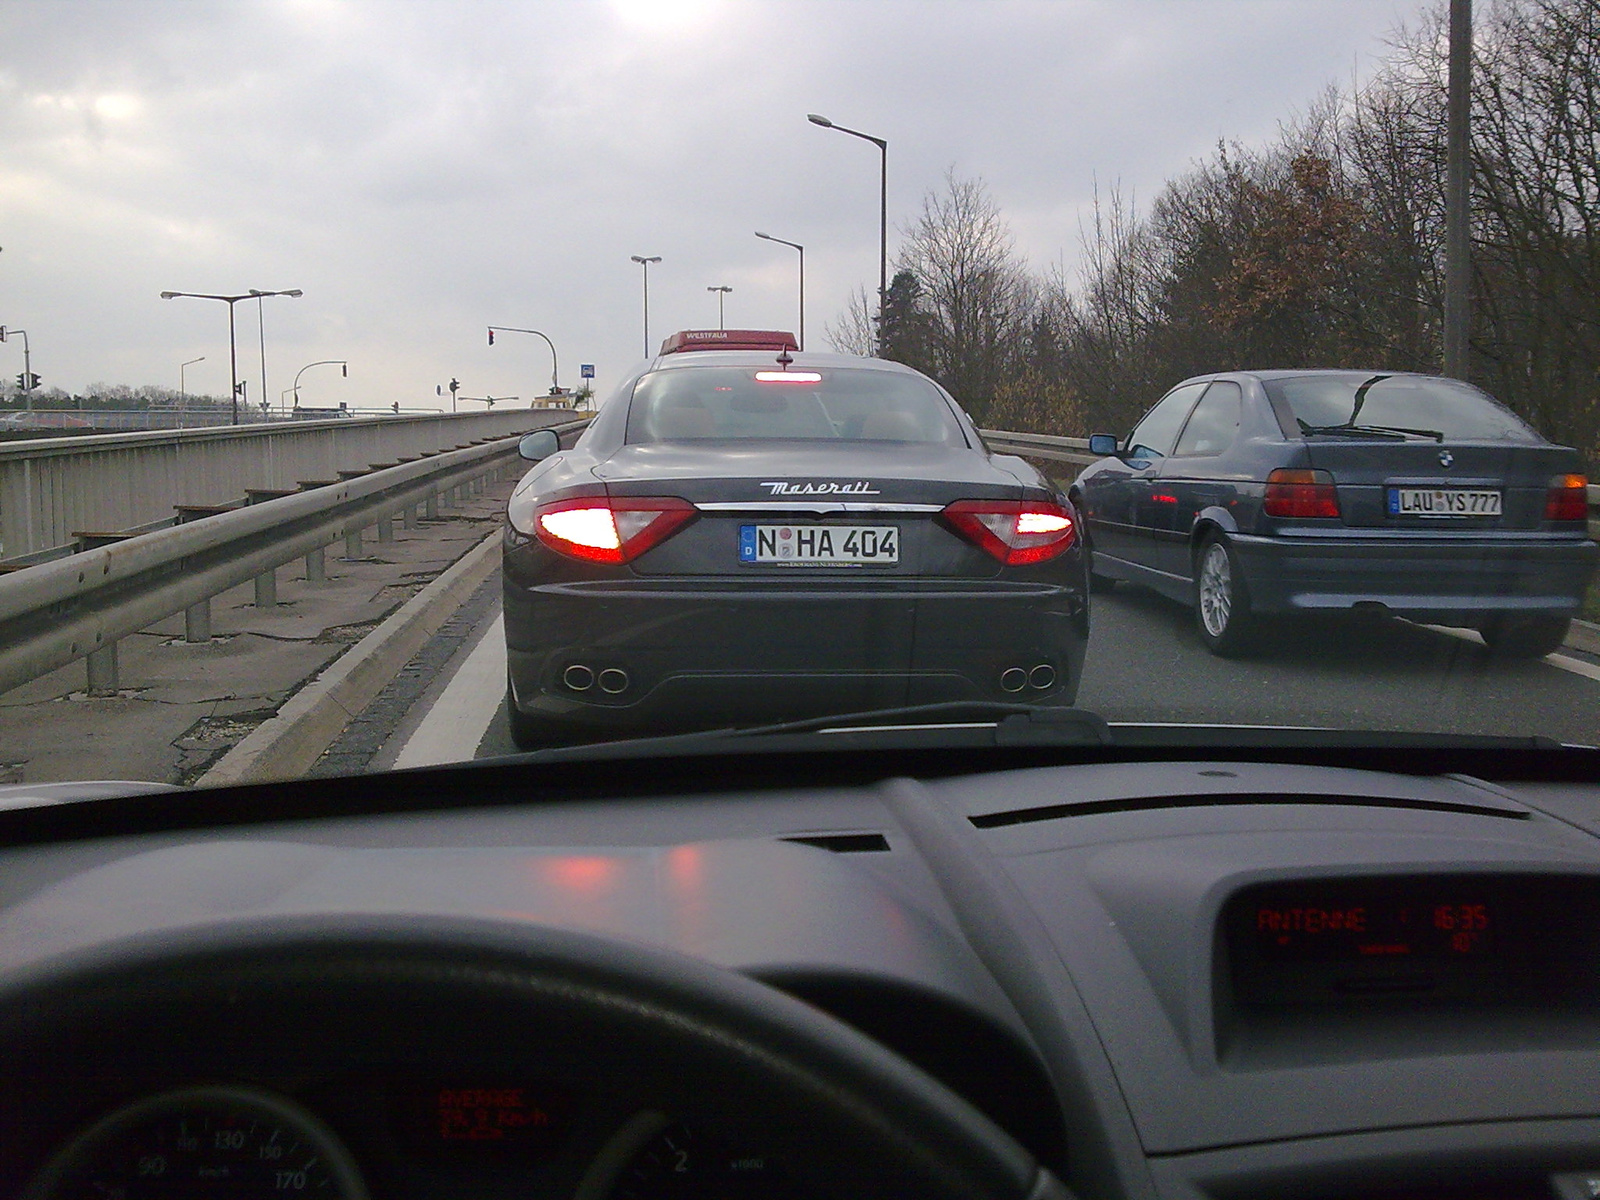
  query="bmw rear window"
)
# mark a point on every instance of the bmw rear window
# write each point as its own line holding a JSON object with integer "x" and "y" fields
{"x": 1452, "y": 410}
{"x": 694, "y": 403}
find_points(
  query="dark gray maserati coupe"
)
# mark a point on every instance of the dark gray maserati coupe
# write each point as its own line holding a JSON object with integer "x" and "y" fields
{"x": 747, "y": 534}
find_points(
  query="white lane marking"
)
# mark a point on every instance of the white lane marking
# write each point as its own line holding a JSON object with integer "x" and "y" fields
{"x": 1576, "y": 665}
{"x": 460, "y": 716}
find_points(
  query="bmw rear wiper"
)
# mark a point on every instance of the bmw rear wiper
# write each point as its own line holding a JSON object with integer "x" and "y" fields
{"x": 1398, "y": 431}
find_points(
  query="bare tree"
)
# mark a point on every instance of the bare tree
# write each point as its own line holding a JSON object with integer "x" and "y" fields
{"x": 974, "y": 297}
{"x": 1537, "y": 172}
{"x": 852, "y": 332}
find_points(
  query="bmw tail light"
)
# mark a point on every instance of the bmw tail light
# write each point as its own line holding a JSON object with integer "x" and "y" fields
{"x": 1301, "y": 494}
{"x": 610, "y": 529}
{"x": 1567, "y": 499}
{"x": 1016, "y": 532}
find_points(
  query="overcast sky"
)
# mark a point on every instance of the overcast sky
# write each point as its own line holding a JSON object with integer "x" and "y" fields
{"x": 425, "y": 168}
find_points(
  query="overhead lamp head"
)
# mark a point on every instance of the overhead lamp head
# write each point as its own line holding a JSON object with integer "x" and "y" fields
{"x": 296, "y": 292}
{"x": 168, "y": 295}
{"x": 819, "y": 120}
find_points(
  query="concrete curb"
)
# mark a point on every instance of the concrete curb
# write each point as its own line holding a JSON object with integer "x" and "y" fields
{"x": 285, "y": 745}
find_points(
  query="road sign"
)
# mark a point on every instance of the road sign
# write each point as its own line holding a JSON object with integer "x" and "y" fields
{"x": 586, "y": 371}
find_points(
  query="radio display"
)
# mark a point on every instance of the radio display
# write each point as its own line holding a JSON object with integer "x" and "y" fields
{"x": 1361, "y": 924}
{"x": 1439, "y": 957}
{"x": 1451, "y": 938}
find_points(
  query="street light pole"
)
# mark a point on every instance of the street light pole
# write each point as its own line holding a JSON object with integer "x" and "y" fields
{"x": 27, "y": 362}
{"x": 344, "y": 369}
{"x": 1458, "y": 193}
{"x": 233, "y": 351}
{"x": 183, "y": 391}
{"x": 802, "y": 249}
{"x": 645, "y": 263}
{"x": 555, "y": 365}
{"x": 721, "y": 290}
{"x": 883, "y": 211}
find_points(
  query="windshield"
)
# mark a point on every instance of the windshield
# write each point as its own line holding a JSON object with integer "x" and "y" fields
{"x": 753, "y": 403}
{"x": 1450, "y": 408}
{"x": 392, "y": 385}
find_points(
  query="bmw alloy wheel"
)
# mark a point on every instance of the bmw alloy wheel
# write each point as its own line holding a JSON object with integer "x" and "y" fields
{"x": 1216, "y": 590}
{"x": 1222, "y": 600}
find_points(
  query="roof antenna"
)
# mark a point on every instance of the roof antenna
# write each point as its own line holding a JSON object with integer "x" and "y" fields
{"x": 783, "y": 359}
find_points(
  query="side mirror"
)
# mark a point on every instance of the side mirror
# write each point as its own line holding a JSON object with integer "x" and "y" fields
{"x": 1102, "y": 444}
{"x": 539, "y": 444}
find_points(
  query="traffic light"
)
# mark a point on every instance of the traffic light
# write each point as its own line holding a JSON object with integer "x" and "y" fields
{"x": 22, "y": 381}
{"x": 491, "y": 337}
{"x": 396, "y": 407}
{"x": 455, "y": 386}
{"x": 33, "y": 381}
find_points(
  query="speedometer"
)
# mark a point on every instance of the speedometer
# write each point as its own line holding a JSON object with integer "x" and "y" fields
{"x": 199, "y": 1143}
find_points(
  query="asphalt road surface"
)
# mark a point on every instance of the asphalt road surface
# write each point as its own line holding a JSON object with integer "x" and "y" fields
{"x": 1145, "y": 663}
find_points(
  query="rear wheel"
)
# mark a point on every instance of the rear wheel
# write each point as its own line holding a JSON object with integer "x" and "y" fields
{"x": 1221, "y": 603}
{"x": 1517, "y": 636}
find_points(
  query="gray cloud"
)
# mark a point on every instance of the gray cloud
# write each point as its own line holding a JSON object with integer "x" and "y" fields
{"x": 424, "y": 169}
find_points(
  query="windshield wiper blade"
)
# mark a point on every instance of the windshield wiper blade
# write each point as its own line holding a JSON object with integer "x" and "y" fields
{"x": 1371, "y": 430}
{"x": 1012, "y": 724}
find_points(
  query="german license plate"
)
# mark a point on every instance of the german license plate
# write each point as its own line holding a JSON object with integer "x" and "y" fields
{"x": 819, "y": 545}
{"x": 1443, "y": 502}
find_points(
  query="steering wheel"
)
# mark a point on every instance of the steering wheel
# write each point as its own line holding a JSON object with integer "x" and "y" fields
{"x": 275, "y": 996}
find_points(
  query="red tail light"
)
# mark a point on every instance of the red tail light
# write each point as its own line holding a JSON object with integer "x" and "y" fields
{"x": 1016, "y": 532}
{"x": 614, "y": 529}
{"x": 1567, "y": 499}
{"x": 1301, "y": 494}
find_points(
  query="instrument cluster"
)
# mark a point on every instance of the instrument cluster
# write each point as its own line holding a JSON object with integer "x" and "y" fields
{"x": 245, "y": 1142}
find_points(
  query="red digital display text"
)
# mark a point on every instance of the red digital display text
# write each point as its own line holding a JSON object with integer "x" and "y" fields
{"x": 1312, "y": 920}
{"x": 486, "y": 1114}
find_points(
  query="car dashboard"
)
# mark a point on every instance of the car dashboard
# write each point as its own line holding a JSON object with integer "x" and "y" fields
{"x": 1164, "y": 979}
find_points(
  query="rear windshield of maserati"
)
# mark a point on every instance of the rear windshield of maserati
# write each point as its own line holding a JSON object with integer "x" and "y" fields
{"x": 752, "y": 402}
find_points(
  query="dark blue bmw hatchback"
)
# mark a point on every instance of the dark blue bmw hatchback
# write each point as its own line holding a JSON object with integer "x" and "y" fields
{"x": 1266, "y": 493}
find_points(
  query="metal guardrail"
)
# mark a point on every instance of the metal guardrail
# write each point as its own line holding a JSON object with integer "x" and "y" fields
{"x": 1040, "y": 445}
{"x": 79, "y": 607}
{"x": 53, "y": 487}
{"x": 1076, "y": 450}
